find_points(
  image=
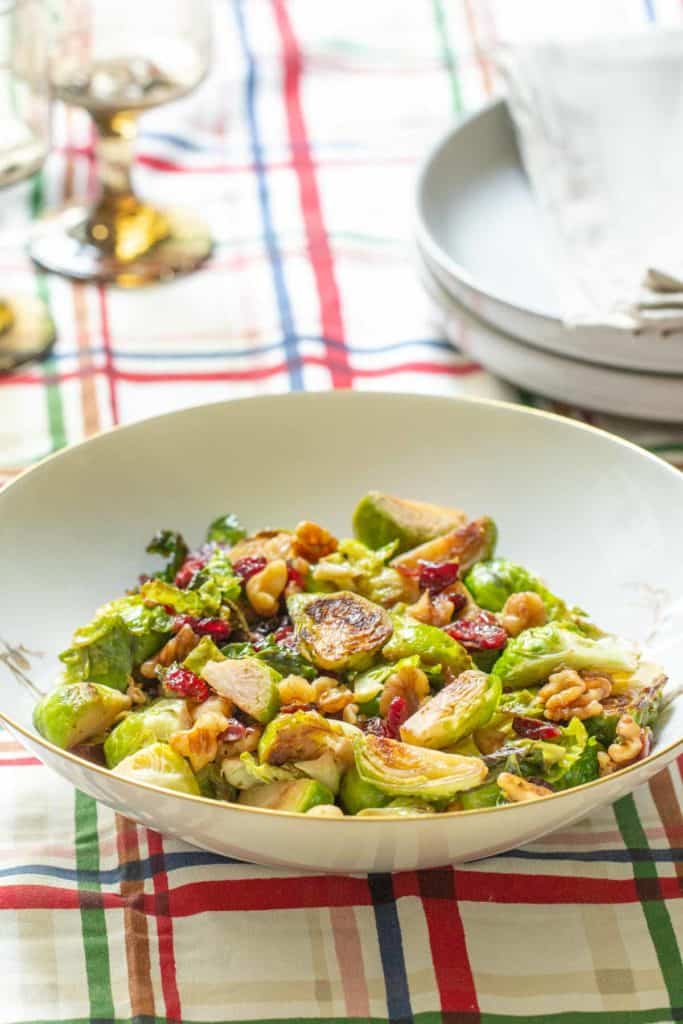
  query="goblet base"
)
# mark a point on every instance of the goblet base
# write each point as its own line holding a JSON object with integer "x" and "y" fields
{"x": 30, "y": 332}
{"x": 64, "y": 247}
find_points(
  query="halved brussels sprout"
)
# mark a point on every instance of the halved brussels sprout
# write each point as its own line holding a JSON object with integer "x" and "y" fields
{"x": 248, "y": 683}
{"x": 213, "y": 785}
{"x": 532, "y": 656}
{"x": 340, "y": 630}
{"x": 302, "y": 736}
{"x": 399, "y": 809}
{"x": 380, "y": 519}
{"x": 155, "y": 723}
{"x": 297, "y": 795}
{"x": 492, "y": 582}
{"x": 244, "y": 772}
{"x": 75, "y": 713}
{"x": 324, "y": 769}
{"x": 159, "y": 765}
{"x": 464, "y": 705}
{"x": 355, "y": 567}
{"x": 402, "y": 770}
{"x": 466, "y": 545}
{"x": 429, "y": 643}
{"x": 356, "y": 795}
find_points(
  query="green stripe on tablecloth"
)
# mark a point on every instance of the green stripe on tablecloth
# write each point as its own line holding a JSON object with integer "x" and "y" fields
{"x": 448, "y": 54}
{"x": 93, "y": 916}
{"x": 654, "y": 907}
{"x": 55, "y": 413}
{"x": 653, "y": 1016}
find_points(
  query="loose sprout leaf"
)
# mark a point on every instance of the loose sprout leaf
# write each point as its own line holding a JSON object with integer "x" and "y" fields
{"x": 226, "y": 529}
{"x": 532, "y": 656}
{"x": 358, "y": 568}
{"x": 429, "y": 643}
{"x": 204, "y": 652}
{"x": 171, "y": 546}
{"x": 213, "y": 586}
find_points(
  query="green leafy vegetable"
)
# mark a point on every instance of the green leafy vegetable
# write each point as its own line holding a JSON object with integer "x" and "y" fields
{"x": 152, "y": 724}
{"x": 429, "y": 643}
{"x": 77, "y": 713}
{"x": 358, "y": 568}
{"x": 159, "y": 765}
{"x": 204, "y": 652}
{"x": 226, "y": 530}
{"x": 532, "y": 656}
{"x": 403, "y": 770}
{"x": 169, "y": 545}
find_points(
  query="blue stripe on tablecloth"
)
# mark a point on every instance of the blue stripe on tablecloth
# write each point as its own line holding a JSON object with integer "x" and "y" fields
{"x": 399, "y": 1010}
{"x": 145, "y": 868}
{"x": 257, "y": 350}
{"x": 650, "y": 12}
{"x": 284, "y": 305}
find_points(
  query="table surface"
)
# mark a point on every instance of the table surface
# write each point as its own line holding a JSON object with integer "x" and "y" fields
{"x": 301, "y": 149}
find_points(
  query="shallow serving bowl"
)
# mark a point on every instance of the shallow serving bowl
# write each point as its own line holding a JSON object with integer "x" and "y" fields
{"x": 597, "y": 516}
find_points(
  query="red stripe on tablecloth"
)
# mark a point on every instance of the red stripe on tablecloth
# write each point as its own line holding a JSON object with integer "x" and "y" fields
{"x": 7, "y": 762}
{"x": 322, "y": 262}
{"x": 109, "y": 368}
{"x": 162, "y": 898}
{"x": 256, "y": 373}
{"x": 457, "y": 990}
{"x": 333, "y": 891}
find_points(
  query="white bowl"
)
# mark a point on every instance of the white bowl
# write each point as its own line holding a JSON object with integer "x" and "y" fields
{"x": 597, "y": 516}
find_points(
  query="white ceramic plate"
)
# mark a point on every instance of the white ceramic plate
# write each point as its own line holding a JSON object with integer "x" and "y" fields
{"x": 626, "y": 393}
{"x": 598, "y": 516}
{"x": 477, "y": 220}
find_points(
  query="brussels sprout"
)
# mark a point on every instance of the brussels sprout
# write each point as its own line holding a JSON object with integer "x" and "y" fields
{"x": 226, "y": 530}
{"x": 244, "y": 772}
{"x": 464, "y": 705}
{"x": 580, "y": 761}
{"x": 159, "y": 765}
{"x": 75, "y": 713}
{"x": 122, "y": 635}
{"x": 302, "y": 736}
{"x": 169, "y": 545}
{"x": 248, "y": 683}
{"x": 491, "y": 583}
{"x": 213, "y": 785}
{"x": 399, "y": 809}
{"x": 279, "y": 656}
{"x": 296, "y": 795}
{"x": 324, "y": 769}
{"x": 532, "y": 656}
{"x": 430, "y": 644}
{"x": 355, "y": 567}
{"x": 466, "y": 545}
{"x": 402, "y": 770}
{"x": 379, "y": 519}
{"x": 152, "y": 724}
{"x": 356, "y": 795}
{"x": 639, "y": 696}
{"x": 339, "y": 631}
{"x": 488, "y": 795}
{"x": 204, "y": 652}
{"x": 368, "y": 685}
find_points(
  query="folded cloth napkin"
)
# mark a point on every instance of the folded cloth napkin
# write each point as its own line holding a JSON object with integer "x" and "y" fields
{"x": 600, "y": 126}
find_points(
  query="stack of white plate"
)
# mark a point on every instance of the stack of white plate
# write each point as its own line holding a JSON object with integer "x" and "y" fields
{"x": 482, "y": 258}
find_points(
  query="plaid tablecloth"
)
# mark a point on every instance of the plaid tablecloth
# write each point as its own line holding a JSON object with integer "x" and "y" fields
{"x": 301, "y": 150}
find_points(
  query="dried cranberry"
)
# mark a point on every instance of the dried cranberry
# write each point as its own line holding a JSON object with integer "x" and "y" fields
{"x": 187, "y": 684}
{"x": 189, "y": 569}
{"x": 459, "y": 601}
{"x": 218, "y": 629}
{"x": 235, "y": 731}
{"x": 436, "y": 576}
{"x": 285, "y": 636}
{"x": 248, "y": 566}
{"x": 295, "y": 577}
{"x": 479, "y": 634}
{"x": 541, "y": 782}
{"x": 396, "y": 716}
{"x": 535, "y": 729}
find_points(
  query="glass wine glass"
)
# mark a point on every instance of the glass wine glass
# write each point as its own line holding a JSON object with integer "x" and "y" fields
{"x": 26, "y": 327}
{"x": 116, "y": 59}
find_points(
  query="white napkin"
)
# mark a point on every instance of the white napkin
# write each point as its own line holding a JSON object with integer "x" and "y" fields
{"x": 600, "y": 125}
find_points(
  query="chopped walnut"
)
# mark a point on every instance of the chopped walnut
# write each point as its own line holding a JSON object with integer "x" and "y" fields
{"x": 313, "y": 542}
{"x": 325, "y": 692}
{"x": 265, "y": 588}
{"x": 325, "y": 811}
{"x": 408, "y": 682}
{"x": 331, "y": 701}
{"x": 522, "y": 611}
{"x": 199, "y": 744}
{"x": 432, "y": 609}
{"x": 520, "y": 790}
{"x": 175, "y": 649}
{"x": 296, "y": 689}
{"x": 629, "y": 744}
{"x": 350, "y": 714}
{"x": 567, "y": 694}
{"x": 135, "y": 693}
{"x": 268, "y": 544}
